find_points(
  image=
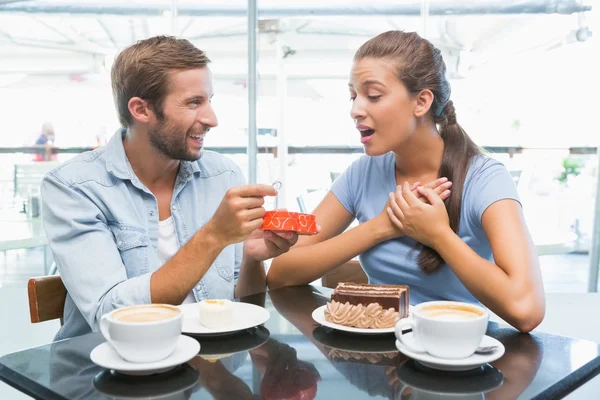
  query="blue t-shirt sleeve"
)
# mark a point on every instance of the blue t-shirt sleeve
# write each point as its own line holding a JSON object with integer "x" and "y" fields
{"x": 347, "y": 186}
{"x": 489, "y": 182}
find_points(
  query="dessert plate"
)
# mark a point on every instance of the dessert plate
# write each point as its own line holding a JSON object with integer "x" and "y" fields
{"x": 319, "y": 316}
{"x": 245, "y": 316}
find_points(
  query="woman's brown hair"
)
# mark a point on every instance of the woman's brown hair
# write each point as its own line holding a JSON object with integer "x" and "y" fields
{"x": 421, "y": 66}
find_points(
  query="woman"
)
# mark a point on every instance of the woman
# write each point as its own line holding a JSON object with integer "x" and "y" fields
{"x": 475, "y": 248}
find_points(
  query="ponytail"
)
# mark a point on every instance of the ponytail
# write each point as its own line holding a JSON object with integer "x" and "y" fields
{"x": 459, "y": 150}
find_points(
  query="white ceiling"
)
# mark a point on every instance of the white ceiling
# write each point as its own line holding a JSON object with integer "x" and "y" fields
{"x": 63, "y": 44}
{"x": 60, "y": 37}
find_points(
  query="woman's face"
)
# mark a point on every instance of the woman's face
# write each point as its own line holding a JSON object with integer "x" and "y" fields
{"x": 382, "y": 108}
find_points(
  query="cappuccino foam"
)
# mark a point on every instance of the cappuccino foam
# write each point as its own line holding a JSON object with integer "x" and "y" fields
{"x": 145, "y": 314}
{"x": 451, "y": 313}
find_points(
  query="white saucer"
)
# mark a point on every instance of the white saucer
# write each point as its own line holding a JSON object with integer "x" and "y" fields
{"x": 444, "y": 364}
{"x": 245, "y": 316}
{"x": 105, "y": 356}
{"x": 319, "y": 316}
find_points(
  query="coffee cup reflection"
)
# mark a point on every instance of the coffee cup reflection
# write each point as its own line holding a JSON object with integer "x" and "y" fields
{"x": 419, "y": 382}
{"x": 143, "y": 333}
{"x": 444, "y": 329}
{"x": 73, "y": 375}
{"x": 176, "y": 384}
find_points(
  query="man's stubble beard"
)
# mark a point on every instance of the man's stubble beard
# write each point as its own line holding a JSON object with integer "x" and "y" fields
{"x": 171, "y": 143}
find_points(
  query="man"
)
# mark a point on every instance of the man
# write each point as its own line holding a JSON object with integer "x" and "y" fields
{"x": 151, "y": 217}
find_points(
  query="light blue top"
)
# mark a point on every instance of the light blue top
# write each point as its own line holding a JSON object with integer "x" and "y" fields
{"x": 363, "y": 190}
{"x": 102, "y": 226}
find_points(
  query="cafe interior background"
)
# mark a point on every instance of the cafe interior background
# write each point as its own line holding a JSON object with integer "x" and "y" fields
{"x": 524, "y": 82}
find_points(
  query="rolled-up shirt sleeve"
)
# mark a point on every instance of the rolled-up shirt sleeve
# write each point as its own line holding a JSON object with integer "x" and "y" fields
{"x": 86, "y": 254}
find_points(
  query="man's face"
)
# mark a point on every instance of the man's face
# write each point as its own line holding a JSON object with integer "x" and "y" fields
{"x": 187, "y": 115}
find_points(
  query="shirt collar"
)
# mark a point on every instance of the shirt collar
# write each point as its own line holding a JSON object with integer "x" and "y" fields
{"x": 118, "y": 164}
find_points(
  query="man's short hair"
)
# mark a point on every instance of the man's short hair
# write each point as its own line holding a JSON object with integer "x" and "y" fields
{"x": 143, "y": 70}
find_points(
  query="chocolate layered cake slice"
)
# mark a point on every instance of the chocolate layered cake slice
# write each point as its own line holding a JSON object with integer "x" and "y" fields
{"x": 387, "y": 296}
{"x": 368, "y": 305}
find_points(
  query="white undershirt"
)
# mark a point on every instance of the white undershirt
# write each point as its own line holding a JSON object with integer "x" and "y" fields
{"x": 168, "y": 246}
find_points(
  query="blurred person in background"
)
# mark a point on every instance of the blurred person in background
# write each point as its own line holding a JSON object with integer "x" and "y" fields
{"x": 46, "y": 139}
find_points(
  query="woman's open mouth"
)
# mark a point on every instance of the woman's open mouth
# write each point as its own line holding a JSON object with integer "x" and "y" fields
{"x": 365, "y": 133}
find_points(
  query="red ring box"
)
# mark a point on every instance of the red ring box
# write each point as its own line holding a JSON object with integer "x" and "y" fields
{"x": 288, "y": 221}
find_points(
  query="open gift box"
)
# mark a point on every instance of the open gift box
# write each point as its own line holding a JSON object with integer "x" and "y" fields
{"x": 286, "y": 221}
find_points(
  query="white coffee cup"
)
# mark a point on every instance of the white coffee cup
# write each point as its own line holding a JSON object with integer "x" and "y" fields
{"x": 143, "y": 333}
{"x": 444, "y": 329}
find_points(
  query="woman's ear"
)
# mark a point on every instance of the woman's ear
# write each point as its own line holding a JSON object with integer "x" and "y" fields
{"x": 424, "y": 100}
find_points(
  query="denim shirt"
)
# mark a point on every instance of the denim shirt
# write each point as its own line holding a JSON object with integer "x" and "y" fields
{"x": 102, "y": 226}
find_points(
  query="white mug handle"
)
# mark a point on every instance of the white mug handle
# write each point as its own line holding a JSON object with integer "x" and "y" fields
{"x": 104, "y": 329}
{"x": 408, "y": 323}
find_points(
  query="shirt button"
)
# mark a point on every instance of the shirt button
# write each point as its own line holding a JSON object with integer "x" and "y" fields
{"x": 174, "y": 208}
{"x": 120, "y": 243}
{"x": 152, "y": 213}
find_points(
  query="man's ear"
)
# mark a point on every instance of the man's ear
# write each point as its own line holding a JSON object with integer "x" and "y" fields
{"x": 140, "y": 109}
{"x": 424, "y": 100}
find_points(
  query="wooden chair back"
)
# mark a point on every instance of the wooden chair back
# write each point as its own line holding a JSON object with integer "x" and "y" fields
{"x": 348, "y": 272}
{"x": 47, "y": 296}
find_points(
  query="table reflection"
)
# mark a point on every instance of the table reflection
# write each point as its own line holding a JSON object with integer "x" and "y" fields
{"x": 420, "y": 382}
{"x": 175, "y": 384}
{"x": 281, "y": 373}
{"x": 371, "y": 364}
{"x": 349, "y": 354}
{"x": 519, "y": 364}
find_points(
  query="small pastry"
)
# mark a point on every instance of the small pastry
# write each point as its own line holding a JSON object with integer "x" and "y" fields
{"x": 215, "y": 314}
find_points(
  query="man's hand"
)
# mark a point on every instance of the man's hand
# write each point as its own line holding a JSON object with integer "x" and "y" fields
{"x": 263, "y": 245}
{"x": 240, "y": 213}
